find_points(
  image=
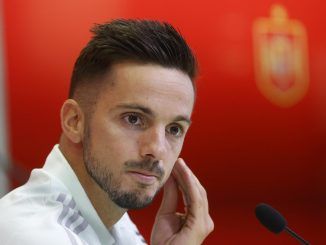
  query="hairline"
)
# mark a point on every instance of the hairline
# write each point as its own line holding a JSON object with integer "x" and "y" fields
{"x": 102, "y": 84}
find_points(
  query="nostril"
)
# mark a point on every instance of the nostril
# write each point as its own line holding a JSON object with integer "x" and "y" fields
{"x": 150, "y": 155}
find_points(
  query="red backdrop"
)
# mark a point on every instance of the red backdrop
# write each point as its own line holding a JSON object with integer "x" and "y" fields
{"x": 244, "y": 149}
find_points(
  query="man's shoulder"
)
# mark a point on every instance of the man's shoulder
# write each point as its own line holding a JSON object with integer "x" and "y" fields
{"x": 23, "y": 227}
{"x": 38, "y": 194}
{"x": 39, "y": 221}
{"x": 28, "y": 234}
{"x": 30, "y": 214}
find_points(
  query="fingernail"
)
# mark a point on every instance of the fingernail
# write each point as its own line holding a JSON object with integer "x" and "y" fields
{"x": 181, "y": 161}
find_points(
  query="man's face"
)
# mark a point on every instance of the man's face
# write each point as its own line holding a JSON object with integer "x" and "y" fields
{"x": 136, "y": 131}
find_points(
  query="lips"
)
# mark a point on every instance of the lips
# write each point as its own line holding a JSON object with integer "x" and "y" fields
{"x": 144, "y": 177}
{"x": 146, "y": 173}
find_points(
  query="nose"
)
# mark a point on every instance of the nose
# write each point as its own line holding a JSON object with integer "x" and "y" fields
{"x": 153, "y": 143}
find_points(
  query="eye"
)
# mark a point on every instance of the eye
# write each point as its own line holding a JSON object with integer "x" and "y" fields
{"x": 133, "y": 119}
{"x": 175, "y": 130}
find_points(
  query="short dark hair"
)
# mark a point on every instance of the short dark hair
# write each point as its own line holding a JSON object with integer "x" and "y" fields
{"x": 141, "y": 41}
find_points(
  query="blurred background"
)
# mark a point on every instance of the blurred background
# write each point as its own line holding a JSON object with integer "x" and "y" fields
{"x": 259, "y": 131}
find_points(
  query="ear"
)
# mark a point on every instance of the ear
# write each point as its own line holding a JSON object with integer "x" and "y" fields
{"x": 72, "y": 120}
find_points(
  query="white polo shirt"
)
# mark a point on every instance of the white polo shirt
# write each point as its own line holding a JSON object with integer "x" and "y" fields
{"x": 53, "y": 208}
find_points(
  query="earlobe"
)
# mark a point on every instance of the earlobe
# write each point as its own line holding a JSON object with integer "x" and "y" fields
{"x": 72, "y": 120}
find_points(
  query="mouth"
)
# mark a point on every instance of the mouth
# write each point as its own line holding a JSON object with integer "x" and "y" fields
{"x": 144, "y": 177}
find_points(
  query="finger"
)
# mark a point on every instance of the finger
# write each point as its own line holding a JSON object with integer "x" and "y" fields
{"x": 202, "y": 192}
{"x": 201, "y": 189}
{"x": 188, "y": 184}
{"x": 199, "y": 201}
{"x": 184, "y": 198}
{"x": 170, "y": 197}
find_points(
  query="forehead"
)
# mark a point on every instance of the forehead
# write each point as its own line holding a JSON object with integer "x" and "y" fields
{"x": 152, "y": 86}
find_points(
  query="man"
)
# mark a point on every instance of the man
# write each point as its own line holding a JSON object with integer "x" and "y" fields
{"x": 130, "y": 102}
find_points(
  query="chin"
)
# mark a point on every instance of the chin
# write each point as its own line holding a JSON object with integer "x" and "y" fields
{"x": 133, "y": 199}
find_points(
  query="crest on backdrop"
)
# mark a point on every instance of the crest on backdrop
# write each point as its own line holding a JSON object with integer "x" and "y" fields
{"x": 281, "y": 58}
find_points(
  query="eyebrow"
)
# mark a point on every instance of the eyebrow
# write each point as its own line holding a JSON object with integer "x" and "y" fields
{"x": 149, "y": 112}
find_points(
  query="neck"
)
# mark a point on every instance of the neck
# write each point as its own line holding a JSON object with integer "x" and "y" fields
{"x": 107, "y": 210}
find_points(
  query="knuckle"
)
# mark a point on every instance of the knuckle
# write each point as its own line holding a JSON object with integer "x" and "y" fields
{"x": 204, "y": 191}
{"x": 210, "y": 225}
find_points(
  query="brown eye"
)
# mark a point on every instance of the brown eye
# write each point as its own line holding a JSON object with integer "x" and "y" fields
{"x": 175, "y": 130}
{"x": 133, "y": 120}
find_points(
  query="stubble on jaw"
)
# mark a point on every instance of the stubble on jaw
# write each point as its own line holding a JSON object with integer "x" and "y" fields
{"x": 113, "y": 187}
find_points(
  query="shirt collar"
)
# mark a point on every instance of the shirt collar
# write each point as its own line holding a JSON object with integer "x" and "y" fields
{"x": 57, "y": 165}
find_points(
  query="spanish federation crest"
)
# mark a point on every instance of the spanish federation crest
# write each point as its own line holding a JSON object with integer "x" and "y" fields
{"x": 281, "y": 65}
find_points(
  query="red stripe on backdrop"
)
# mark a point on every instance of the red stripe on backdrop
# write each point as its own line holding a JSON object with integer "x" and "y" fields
{"x": 243, "y": 148}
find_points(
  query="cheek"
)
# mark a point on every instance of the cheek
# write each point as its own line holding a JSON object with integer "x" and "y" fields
{"x": 171, "y": 160}
{"x": 175, "y": 149}
{"x": 173, "y": 155}
{"x": 113, "y": 142}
